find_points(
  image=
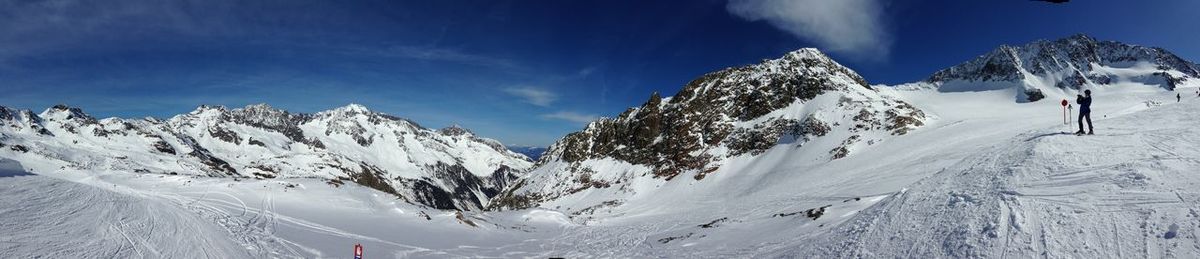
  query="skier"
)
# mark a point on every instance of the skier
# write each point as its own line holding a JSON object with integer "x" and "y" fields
{"x": 1085, "y": 111}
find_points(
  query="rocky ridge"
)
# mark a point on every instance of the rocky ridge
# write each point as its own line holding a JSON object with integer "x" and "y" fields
{"x": 803, "y": 99}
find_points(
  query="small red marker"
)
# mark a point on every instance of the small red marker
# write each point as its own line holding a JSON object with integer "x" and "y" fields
{"x": 357, "y": 251}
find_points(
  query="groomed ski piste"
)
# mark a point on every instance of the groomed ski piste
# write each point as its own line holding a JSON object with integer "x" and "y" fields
{"x": 987, "y": 177}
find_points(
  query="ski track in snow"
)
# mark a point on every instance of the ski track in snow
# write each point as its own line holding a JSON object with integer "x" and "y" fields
{"x": 124, "y": 222}
{"x": 258, "y": 228}
{"x": 61, "y": 219}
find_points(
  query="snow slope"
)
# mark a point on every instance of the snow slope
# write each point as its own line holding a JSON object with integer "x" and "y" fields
{"x": 1128, "y": 192}
{"x": 49, "y": 217}
{"x": 107, "y": 214}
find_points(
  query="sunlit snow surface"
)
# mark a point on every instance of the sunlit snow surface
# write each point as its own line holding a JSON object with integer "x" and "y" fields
{"x": 989, "y": 177}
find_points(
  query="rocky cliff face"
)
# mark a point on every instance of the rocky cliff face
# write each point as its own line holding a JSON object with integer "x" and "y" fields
{"x": 445, "y": 169}
{"x": 802, "y": 99}
{"x": 1069, "y": 64}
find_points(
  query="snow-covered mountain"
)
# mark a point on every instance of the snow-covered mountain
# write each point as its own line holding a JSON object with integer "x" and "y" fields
{"x": 803, "y": 100}
{"x": 1064, "y": 66}
{"x": 450, "y": 168}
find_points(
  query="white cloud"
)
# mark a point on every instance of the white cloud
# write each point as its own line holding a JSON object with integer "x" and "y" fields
{"x": 31, "y": 28}
{"x": 532, "y": 95}
{"x": 852, "y": 27}
{"x": 571, "y": 116}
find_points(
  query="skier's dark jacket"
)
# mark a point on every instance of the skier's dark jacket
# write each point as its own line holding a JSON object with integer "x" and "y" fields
{"x": 1085, "y": 103}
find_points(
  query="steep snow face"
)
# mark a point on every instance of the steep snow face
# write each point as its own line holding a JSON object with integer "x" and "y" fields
{"x": 20, "y": 121}
{"x": 1065, "y": 66}
{"x": 446, "y": 170}
{"x": 803, "y": 100}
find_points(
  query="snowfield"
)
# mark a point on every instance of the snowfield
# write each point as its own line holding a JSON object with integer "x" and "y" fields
{"x": 1127, "y": 192}
{"x": 49, "y": 217}
{"x": 989, "y": 177}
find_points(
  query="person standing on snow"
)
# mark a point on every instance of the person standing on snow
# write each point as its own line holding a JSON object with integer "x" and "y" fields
{"x": 1085, "y": 111}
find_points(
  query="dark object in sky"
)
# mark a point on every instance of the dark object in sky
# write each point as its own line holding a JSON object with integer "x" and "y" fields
{"x": 1053, "y": 1}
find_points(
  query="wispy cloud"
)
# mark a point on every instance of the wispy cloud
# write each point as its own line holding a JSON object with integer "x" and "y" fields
{"x": 587, "y": 71}
{"x": 33, "y": 28}
{"x": 571, "y": 116}
{"x": 534, "y": 96}
{"x": 72, "y": 20}
{"x": 852, "y": 27}
{"x": 447, "y": 55}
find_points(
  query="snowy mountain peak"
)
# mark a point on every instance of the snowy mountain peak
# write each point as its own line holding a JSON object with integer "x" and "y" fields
{"x": 1076, "y": 39}
{"x": 8, "y": 113}
{"x": 63, "y": 112}
{"x": 263, "y": 107}
{"x": 801, "y": 100}
{"x": 209, "y": 109}
{"x": 259, "y": 110}
{"x": 352, "y": 108}
{"x": 806, "y": 53}
{"x": 352, "y": 111}
{"x": 1063, "y": 66}
{"x": 21, "y": 120}
{"x": 455, "y": 130}
{"x": 27, "y": 116}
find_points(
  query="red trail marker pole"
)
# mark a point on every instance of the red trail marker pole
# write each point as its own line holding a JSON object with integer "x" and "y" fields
{"x": 358, "y": 251}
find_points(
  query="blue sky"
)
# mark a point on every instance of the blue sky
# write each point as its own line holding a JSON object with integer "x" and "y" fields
{"x": 523, "y": 72}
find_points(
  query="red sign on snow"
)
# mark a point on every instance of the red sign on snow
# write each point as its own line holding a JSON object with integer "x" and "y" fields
{"x": 357, "y": 251}
{"x": 1065, "y": 102}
